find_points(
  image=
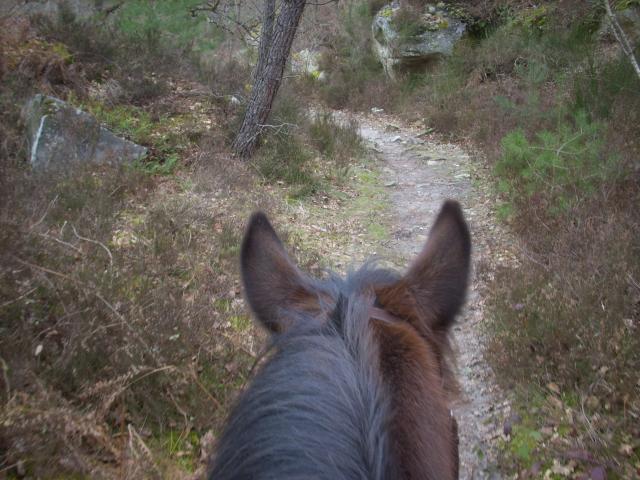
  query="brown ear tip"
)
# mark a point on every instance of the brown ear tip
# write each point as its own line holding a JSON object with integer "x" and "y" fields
{"x": 259, "y": 232}
{"x": 258, "y": 218}
{"x": 453, "y": 210}
{"x": 452, "y": 207}
{"x": 259, "y": 222}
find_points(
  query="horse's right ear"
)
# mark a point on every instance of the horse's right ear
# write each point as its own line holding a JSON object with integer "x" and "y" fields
{"x": 274, "y": 286}
{"x": 439, "y": 276}
{"x": 433, "y": 290}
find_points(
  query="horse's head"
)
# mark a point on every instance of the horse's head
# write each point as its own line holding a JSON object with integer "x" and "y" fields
{"x": 409, "y": 316}
{"x": 396, "y": 370}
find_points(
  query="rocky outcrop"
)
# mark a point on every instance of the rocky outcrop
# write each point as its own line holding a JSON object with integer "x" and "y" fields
{"x": 60, "y": 135}
{"x": 431, "y": 35}
{"x": 307, "y": 62}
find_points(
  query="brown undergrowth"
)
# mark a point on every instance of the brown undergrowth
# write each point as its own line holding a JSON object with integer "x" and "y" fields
{"x": 123, "y": 331}
{"x": 124, "y": 338}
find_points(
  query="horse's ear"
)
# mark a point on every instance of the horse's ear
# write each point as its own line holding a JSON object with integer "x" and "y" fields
{"x": 273, "y": 284}
{"x": 437, "y": 279}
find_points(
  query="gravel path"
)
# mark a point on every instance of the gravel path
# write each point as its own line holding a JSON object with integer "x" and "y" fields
{"x": 420, "y": 175}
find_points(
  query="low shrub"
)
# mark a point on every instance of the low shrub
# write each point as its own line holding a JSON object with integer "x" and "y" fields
{"x": 354, "y": 73}
{"x": 337, "y": 142}
{"x": 560, "y": 167}
{"x": 299, "y": 149}
{"x": 285, "y": 158}
{"x": 564, "y": 325}
{"x": 102, "y": 309}
{"x": 141, "y": 42}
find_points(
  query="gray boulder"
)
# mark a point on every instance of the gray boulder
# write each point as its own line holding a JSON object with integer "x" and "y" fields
{"x": 60, "y": 135}
{"x": 438, "y": 29}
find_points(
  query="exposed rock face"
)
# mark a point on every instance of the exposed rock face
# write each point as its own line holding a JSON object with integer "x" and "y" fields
{"x": 60, "y": 135}
{"x": 436, "y": 32}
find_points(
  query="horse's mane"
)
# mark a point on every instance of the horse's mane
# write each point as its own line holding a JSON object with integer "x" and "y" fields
{"x": 318, "y": 408}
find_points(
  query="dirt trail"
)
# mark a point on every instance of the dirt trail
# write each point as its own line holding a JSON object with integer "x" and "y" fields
{"x": 419, "y": 175}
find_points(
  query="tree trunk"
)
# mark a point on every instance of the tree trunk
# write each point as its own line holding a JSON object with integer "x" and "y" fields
{"x": 266, "y": 37}
{"x": 268, "y": 76}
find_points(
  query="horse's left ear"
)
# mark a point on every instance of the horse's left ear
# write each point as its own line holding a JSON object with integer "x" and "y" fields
{"x": 274, "y": 287}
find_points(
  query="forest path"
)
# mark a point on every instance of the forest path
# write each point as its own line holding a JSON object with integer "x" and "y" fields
{"x": 419, "y": 175}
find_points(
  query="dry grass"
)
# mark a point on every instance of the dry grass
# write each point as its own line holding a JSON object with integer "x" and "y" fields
{"x": 121, "y": 341}
{"x": 123, "y": 335}
{"x": 107, "y": 310}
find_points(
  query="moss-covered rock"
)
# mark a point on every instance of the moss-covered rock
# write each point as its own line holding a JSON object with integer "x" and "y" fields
{"x": 60, "y": 135}
{"x": 407, "y": 42}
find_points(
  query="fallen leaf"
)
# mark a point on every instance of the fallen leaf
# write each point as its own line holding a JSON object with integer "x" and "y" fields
{"x": 592, "y": 402}
{"x": 555, "y": 401}
{"x": 554, "y": 387}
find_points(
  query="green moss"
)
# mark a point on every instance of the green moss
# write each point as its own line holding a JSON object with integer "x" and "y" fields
{"x": 222, "y": 305}
{"x": 386, "y": 12}
{"x": 126, "y": 120}
{"x": 63, "y": 52}
{"x": 180, "y": 447}
{"x": 49, "y": 106}
{"x": 534, "y": 19}
{"x": 377, "y": 231}
{"x": 241, "y": 323}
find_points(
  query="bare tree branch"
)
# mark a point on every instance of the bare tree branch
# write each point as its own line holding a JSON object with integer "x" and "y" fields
{"x": 218, "y": 14}
{"x": 208, "y": 7}
{"x": 622, "y": 38}
{"x": 95, "y": 242}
